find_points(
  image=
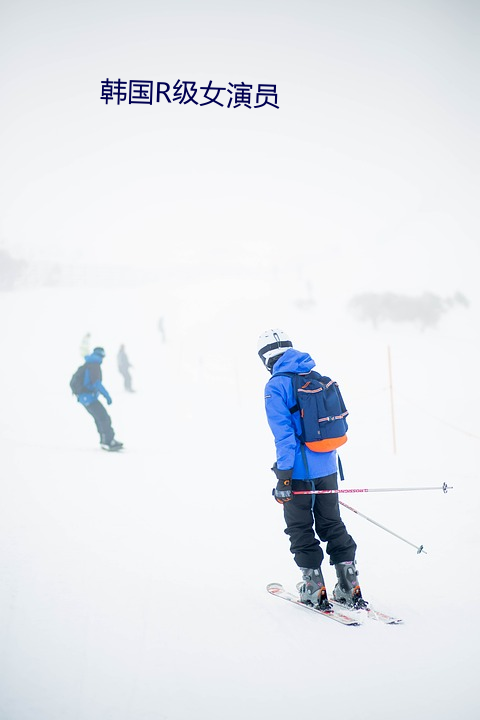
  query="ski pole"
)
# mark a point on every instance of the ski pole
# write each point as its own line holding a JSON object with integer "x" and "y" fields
{"x": 419, "y": 548}
{"x": 443, "y": 487}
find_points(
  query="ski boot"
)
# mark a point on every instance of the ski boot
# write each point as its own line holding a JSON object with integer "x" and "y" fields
{"x": 347, "y": 590}
{"x": 312, "y": 589}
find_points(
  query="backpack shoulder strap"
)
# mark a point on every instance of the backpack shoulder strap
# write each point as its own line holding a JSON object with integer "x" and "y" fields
{"x": 86, "y": 376}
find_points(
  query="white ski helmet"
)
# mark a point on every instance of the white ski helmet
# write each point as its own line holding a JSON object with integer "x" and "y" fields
{"x": 271, "y": 344}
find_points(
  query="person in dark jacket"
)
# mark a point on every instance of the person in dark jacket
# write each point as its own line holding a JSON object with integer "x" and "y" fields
{"x": 92, "y": 388}
{"x": 309, "y": 518}
{"x": 124, "y": 366}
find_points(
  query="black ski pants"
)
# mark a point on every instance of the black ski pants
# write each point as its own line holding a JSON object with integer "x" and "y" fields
{"x": 310, "y": 517}
{"x": 102, "y": 421}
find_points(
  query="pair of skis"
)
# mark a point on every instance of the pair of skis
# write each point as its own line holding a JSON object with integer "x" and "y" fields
{"x": 338, "y": 613}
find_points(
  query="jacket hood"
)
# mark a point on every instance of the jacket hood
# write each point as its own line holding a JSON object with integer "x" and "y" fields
{"x": 293, "y": 361}
{"x": 93, "y": 358}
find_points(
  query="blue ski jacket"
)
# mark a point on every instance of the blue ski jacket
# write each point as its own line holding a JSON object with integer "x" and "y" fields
{"x": 285, "y": 426}
{"x": 93, "y": 381}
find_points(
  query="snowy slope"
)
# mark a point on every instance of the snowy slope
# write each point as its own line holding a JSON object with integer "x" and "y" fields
{"x": 116, "y": 569}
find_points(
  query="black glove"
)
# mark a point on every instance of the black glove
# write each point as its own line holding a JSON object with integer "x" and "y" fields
{"x": 282, "y": 474}
{"x": 283, "y": 492}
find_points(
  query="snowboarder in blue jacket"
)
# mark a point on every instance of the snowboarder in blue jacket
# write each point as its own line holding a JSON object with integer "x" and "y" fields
{"x": 309, "y": 518}
{"x": 92, "y": 388}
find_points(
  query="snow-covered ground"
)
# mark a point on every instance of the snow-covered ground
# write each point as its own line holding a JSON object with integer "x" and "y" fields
{"x": 132, "y": 585}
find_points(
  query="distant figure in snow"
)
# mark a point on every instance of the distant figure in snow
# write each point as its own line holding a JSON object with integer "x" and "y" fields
{"x": 308, "y": 465}
{"x": 87, "y": 385}
{"x": 124, "y": 368}
{"x": 85, "y": 345}
{"x": 161, "y": 329}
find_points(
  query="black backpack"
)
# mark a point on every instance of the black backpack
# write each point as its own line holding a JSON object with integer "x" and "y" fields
{"x": 78, "y": 378}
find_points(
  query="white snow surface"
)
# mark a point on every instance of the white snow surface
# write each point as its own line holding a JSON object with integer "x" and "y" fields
{"x": 132, "y": 585}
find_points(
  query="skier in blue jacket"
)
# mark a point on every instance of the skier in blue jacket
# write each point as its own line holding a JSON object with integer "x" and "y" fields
{"x": 309, "y": 518}
{"x": 93, "y": 387}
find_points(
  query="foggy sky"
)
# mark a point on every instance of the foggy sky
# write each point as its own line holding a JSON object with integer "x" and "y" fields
{"x": 371, "y": 159}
